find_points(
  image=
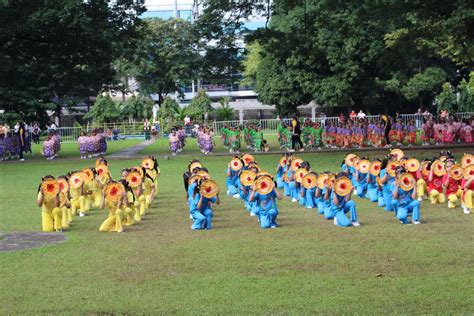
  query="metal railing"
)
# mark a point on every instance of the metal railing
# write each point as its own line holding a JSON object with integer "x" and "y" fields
{"x": 269, "y": 126}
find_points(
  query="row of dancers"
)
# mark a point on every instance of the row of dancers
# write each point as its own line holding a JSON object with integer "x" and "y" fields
{"x": 77, "y": 192}
{"x": 92, "y": 144}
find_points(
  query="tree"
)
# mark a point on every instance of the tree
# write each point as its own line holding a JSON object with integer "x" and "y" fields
{"x": 167, "y": 58}
{"x": 446, "y": 100}
{"x": 105, "y": 110}
{"x": 56, "y": 53}
{"x": 466, "y": 94}
{"x": 225, "y": 112}
{"x": 200, "y": 105}
{"x": 137, "y": 108}
{"x": 251, "y": 62}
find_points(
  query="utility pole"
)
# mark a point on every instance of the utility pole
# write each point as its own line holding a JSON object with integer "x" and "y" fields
{"x": 176, "y": 12}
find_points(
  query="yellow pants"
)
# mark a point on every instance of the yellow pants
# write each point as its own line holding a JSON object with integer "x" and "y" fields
{"x": 141, "y": 204}
{"x": 66, "y": 217}
{"x": 148, "y": 200}
{"x": 51, "y": 219}
{"x": 96, "y": 198}
{"x": 113, "y": 223}
{"x": 77, "y": 203}
{"x": 421, "y": 188}
{"x": 437, "y": 197}
{"x": 454, "y": 198}
{"x": 468, "y": 199}
{"x": 128, "y": 219}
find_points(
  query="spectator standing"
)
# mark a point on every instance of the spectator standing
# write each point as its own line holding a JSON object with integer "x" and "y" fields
{"x": 361, "y": 115}
{"x": 296, "y": 133}
{"x": 35, "y": 133}
{"x": 187, "y": 124}
{"x": 22, "y": 137}
{"x": 147, "y": 129}
{"x": 352, "y": 115}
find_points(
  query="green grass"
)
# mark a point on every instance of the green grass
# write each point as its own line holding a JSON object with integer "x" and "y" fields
{"x": 305, "y": 266}
{"x": 70, "y": 150}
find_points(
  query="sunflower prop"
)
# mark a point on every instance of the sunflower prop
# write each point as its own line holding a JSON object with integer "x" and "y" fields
{"x": 50, "y": 188}
{"x": 322, "y": 180}
{"x": 363, "y": 166}
{"x": 134, "y": 179}
{"x": 264, "y": 185}
{"x": 468, "y": 172}
{"x": 392, "y": 167}
{"x": 204, "y": 175}
{"x": 375, "y": 168}
{"x": 63, "y": 185}
{"x": 455, "y": 172}
{"x": 309, "y": 181}
{"x": 247, "y": 177}
{"x": 342, "y": 186}
{"x": 148, "y": 163}
{"x": 236, "y": 164}
{"x": 283, "y": 161}
{"x": 397, "y": 153}
{"x": 299, "y": 174}
{"x": 439, "y": 168}
{"x": 296, "y": 163}
{"x": 349, "y": 160}
{"x": 412, "y": 165}
{"x": 248, "y": 158}
{"x": 425, "y": 170}
{"x": 406, "y": 181}
{"x": 88, "y": 174}
{"x": 76, "y": 180}
{"x": 195, "y": 165}
{"x": 113, "y": 191}
{"x": 209, "y": 189}
{"x": 467, "y": 160}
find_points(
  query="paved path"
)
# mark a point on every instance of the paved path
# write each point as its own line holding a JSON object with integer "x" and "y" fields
{"x": 131, "y": 151}
{"x": 28, "y": 240}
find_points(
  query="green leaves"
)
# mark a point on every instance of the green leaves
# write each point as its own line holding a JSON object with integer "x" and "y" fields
{"x": 105, "y": 110}
{"x": 425, "y": 81}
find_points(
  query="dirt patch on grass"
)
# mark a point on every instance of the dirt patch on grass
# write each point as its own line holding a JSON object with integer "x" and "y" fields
{"x": 28, "y": 240}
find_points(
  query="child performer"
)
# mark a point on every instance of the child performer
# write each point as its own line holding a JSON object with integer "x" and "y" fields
{"x": 342, "y": 204}
{"x": 404, "y": 202}
{"x": 435, "y": 187}
{"x": 233, "y": 174}
{"x": 201, "y": 210}
{"x": 467, "y": 185}
{"x": 451, "y": 185}
{"x": 48, "y": 200}
{"x": 265, "y": 203}
{"x": 114, "y": 201}
{"x": 174, "y": 142}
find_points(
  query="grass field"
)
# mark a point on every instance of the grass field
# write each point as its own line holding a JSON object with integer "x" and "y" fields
{"x": 306, "y": 266}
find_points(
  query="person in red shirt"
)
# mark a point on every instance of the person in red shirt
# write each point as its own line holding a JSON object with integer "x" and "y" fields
{"x": 467, "y": 197}
{"x": 435, "y": 188}
{"x": 452, "y": 186}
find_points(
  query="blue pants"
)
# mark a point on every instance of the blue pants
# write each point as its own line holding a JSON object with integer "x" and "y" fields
{"x": 412, "y": 208}
{"x": 319, "y": 204}
{"x": 340, "y": 214}
{"x": 232, "y": 186}
{"x": 381, "y": 201}
{"x": 372, "y": 193}
{"x": 293, "y": 191}
{"x": 199, "y": 220}
{"x": 268, "y": 218}
{"x": 310, "y": 199}
{"x": 328, "y": 214}
{"x": 361, "y": 189}
{"x": 286, "y": 189}
{"x": 280, "y": 183}
{"x": 387, "y": 197}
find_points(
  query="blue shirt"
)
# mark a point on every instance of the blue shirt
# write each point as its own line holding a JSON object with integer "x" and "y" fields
{"x": 266, "y": 201}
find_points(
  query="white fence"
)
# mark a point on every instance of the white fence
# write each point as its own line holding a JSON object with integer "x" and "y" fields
{"x": 269, "y": 126}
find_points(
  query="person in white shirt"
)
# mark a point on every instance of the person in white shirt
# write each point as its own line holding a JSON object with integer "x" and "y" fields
{"x": 361, "y": 114}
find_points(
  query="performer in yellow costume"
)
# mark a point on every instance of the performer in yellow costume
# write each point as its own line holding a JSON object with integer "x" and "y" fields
{"x": 64, "y": 202}
{"x": 76, "y": 191}
{"x": 149, "y": 189}
{"x": 135, "y": 177}
{"x": 48, "y": 200}
{"x": 128, "y": 208}
{"x": 114, "y": 197}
